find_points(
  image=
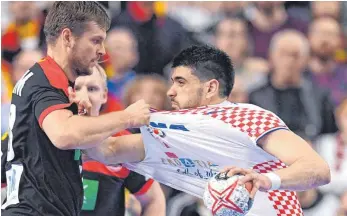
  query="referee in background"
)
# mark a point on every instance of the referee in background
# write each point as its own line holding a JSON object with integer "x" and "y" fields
{"x": 45, "y": 134}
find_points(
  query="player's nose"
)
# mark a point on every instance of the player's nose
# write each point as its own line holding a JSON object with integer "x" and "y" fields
{"x": 102, "y": 50}
{"x": 171, "y": 92}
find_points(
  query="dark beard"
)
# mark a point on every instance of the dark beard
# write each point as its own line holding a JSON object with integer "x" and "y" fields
{"x": 85, "y": 72}
{"x": 79, "y": 69}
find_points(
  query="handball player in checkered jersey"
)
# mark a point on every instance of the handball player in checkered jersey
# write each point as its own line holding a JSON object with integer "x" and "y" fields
{"x": 205, "y": 134}
{"x": 45, "y": 133}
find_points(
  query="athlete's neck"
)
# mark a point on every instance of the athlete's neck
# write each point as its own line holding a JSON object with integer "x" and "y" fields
{"x": 217, "y": 101}
{"x": 62, "y": 61}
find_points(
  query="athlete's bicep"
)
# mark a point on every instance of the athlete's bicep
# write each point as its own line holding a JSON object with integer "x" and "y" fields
{"x": 47, "y": 100}
{"x": 287, "y": 146}
{"x": 54, "y": 126}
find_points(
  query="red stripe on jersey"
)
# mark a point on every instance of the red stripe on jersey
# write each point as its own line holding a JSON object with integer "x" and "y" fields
{"x": 97, "y": 167}
{"x": 145, "y": 187}
{"x": 55, "y": 75}
{"x": 122, "y": 133}
{"x": 51, "y": 109}
{"x": 171, "y": 155}
{"x": 3, "y": 185}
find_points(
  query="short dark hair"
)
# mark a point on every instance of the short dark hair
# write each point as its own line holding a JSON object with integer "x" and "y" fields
{"x": 74, "y": 15}
{"x": 208, "y": 63}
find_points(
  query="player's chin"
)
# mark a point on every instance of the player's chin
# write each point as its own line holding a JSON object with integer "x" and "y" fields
{"x": 175, "y": 106}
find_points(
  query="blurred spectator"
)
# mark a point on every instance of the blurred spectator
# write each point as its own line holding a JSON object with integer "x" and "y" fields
{"x": 326, "y": 9}
{"x": 299, "y": 9}
{"x": 316, "y": 203}
{"x": 343, "y": 205}
{"x": 195, "y": 16}
{"x": 123, "y": 56}
{"x": 6, "y": 82}
{"x": 344, "y": 17}
{"x": 267, "y": 18}
{"x": 234, "y": 8}
{"x": 22, "y": 62}
{"x": 324, "y": 36}
{"x": 333, "y": 148}
{"x": 336, "y": 10}
{"x": 159, "y": 37}
{"x": 232, "y": 37}
{"x": 23, "y": 32}
{"x": 151, "y": 88}
{"x": 301, "y": 104}
{"x": 239, "y": 93}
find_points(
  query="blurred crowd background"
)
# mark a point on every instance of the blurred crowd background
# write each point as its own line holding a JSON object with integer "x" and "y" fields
{"x": 289, "y": 57}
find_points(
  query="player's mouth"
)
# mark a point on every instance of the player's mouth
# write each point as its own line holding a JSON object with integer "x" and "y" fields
{"x": 174, "y": 105}
{"x": 95, "y": 60}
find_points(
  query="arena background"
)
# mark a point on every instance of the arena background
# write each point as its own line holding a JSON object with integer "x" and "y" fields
{"x": 301, "y": 79}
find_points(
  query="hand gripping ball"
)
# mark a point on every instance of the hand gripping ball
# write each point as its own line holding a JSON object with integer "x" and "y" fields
{"x": 224, "y": 197}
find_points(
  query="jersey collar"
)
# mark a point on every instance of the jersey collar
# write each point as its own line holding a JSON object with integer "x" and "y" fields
{"x": 55, "y": 74}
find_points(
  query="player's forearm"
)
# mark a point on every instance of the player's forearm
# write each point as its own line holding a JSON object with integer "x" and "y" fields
{"x": 84, "y": 132}
{"x": 115, "y": 150}
{"x": 157, "y": 207}
{"x": 304, "y": 174}
{"x": 153, "y": 202}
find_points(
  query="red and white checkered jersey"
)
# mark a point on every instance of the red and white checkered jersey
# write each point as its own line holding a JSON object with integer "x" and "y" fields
{"x": 185, "y": 148}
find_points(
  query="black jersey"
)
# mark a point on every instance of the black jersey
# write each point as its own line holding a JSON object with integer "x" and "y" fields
{"x": 4, "y": 142}
{"x": 41, "y": 179}
{"x": 104, "y": 188}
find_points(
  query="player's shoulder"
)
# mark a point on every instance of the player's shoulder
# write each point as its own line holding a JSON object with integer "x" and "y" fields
{"x": 246, "y": 107}
{"x": 33, "y": 77}
{"x": 40, "y": 78}
{"x": 29, "y": 83}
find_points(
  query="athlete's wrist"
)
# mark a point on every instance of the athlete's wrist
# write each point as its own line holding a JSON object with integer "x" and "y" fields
{"x": 274, "y": 180}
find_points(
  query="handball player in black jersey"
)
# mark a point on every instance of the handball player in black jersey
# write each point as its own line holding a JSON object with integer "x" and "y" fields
{"x": 45, "y": 134}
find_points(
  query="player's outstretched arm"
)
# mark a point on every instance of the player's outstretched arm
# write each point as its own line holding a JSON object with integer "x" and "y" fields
{"x": 68, "y": 131}
{"x": 153, "y": 202}
{"x": 121, "y": 149}
{"x": 306, "y": 169}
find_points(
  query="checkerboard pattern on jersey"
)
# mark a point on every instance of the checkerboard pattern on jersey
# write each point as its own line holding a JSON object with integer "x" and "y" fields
{"x": 285, "y": 202}
{"x": 254, "y": 122}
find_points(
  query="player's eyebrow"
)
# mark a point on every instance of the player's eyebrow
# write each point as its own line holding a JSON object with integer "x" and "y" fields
{"x": 98, "y": 37}
{"x": 178, "y": 78}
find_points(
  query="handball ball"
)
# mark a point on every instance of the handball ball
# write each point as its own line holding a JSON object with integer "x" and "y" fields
{"x": 224, "y": 197}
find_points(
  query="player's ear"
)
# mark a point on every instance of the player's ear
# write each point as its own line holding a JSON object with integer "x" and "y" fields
{"x": 213, "y": 88}
{"x": 67, "y": 37}
{"x": 104, "y": 96}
